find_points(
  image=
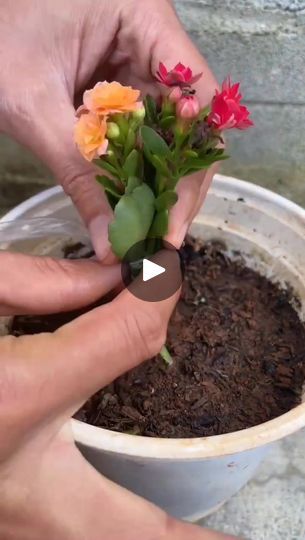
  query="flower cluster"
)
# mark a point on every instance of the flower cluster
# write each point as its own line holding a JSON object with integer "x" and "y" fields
{"x": 145, "y": 147}
{"x": 99, "y": 104}
{"x": 227, "y": 111}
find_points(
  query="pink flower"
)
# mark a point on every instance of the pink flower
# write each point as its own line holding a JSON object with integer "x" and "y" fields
{"x": 180, "y": 75}
{"x": 175, "y": 94}
{"x": 226, "y": 111}
{"x": 188, "y": 107}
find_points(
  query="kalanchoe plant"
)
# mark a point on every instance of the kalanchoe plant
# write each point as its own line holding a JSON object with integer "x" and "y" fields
{"x": 145, "y": 148}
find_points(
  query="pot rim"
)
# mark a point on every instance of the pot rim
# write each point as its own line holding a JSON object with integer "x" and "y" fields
{"x": 201, "y": 447}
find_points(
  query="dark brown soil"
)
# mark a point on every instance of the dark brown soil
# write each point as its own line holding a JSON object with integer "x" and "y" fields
{"x": 238, "y": 349}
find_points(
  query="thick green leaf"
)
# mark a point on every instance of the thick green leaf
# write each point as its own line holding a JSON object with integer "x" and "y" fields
{"x": 109, "y": 186}
{"x": 193, "y": 165}
{"x": 132, "y": 184}
{"x": 166, "y": 200}
{"x": 145, "y": 199}
{"x": 150, "y": 109}
{"x": 159, "y": 227}
{"x": 133, "y": 217}
{"x": 160, "y": 165}
{"x": 167, "y": 122}
{"x": 103, "y": 164}
{"x": 154, "y": 144}
{"x": 131, "y": 164}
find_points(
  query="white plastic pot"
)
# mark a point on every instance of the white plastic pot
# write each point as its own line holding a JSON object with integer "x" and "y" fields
{"x": 190, "y": 478}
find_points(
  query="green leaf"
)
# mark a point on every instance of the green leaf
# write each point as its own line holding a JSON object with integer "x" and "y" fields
{"x": 159, "y": 227}
{"x": 160, "y": 165}
{"x": 193, "y": 165}
{"x": 103, "y": 164}
{"x": 150, "y": 109}
{"x": 154, "y": 144}
{"x": 145, "y": 199}
{"x": 132, "y": 184}
{"x": 133, "y": 217}
{"x": 191, "y": 154}
{"x": 130, "y": 142}
{"x": 109, "y": 186}
{"x": 167, "y": 122}
{"x": 165, "y": 354}
{"x": 131, "y": 164}
{"x": 166, "y": 200}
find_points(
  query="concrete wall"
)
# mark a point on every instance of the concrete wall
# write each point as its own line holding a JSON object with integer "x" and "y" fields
{"x": 262, "y": 44}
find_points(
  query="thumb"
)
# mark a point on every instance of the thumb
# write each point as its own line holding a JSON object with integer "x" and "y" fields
{"x": 76, "y": 361}
{"x": 50, "y": 118}
{"x": 44, "y": 285}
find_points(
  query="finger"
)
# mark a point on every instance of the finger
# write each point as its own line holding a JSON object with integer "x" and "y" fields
{"x": 44, "y": 285}
{"x": 52, "y": 140}
{"x": 192, "y": 191}
{"x": 72, "y": 364}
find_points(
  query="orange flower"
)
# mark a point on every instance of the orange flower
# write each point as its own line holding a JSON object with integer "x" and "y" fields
{"x": 90, "y": 136}
{"x": 111, "y": 98}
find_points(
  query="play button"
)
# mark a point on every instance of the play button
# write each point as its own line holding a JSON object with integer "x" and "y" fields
{"x": 151, "y": 270}
{"x": 152, "y": 277}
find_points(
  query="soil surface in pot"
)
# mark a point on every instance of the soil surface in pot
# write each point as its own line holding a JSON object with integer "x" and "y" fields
{"x": 238, "y": 351}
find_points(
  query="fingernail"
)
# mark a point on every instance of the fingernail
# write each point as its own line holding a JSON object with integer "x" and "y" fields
{"x": 98, "y": 229}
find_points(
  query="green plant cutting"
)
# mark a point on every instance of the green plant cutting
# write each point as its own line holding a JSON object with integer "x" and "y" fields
{"x": 145, "y": 147}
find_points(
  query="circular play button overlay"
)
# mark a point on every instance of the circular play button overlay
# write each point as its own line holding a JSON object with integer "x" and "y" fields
{"x": 156, "y": 277}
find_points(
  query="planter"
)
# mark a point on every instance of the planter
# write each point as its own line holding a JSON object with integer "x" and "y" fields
{"x": 192, "y": 477}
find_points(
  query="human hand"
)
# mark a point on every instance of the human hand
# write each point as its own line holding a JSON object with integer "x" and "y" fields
{"x": 53, "y": 50}
{"x": 47, "y": 489}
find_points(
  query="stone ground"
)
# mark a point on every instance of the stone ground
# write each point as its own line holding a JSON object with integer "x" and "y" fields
{"x": 272, "y": 506}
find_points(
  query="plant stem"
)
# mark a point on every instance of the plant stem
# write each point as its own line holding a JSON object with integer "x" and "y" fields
{"x": 166, "y": 356}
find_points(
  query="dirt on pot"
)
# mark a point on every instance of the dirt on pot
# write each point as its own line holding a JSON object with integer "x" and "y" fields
{"x": 238, "y": 349}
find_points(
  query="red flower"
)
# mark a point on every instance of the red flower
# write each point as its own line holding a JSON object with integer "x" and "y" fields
{"x": 180, "y": 75}
{"x": 227, "y": 112}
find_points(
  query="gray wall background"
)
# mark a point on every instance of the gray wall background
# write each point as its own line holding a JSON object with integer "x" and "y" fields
{"x": 262, "y": 44}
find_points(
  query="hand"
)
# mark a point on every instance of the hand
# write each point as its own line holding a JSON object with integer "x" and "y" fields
{"x": 47, "y": 489}
{"x": 53, "y": 50}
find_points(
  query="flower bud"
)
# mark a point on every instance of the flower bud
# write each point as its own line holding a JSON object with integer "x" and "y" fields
{"x": 188, "y": 107}
{"x": 113, "y": 130}
{"x": 139, "y": 114}
{"x": 175, "y": 94}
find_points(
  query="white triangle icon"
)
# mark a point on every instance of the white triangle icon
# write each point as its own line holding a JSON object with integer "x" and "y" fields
{"x": 151, "y": 270}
